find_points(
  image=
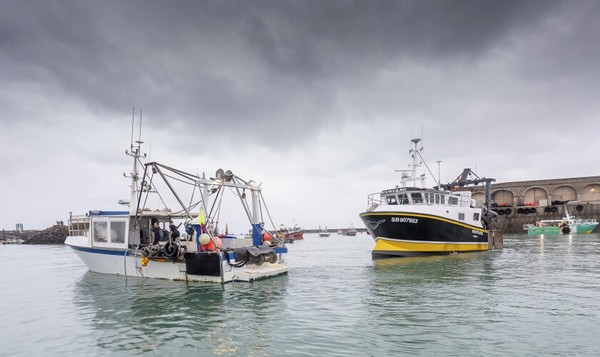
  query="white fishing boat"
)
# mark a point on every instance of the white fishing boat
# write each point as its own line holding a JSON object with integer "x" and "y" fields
{"x": 411, "y": 221}
{"x": 350, "y": 231}
{"x": 323, "y": 232}
{"x": 127, "y": 243}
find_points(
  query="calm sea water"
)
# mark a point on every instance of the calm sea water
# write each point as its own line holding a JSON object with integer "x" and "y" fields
{"x": 538, "y": 296}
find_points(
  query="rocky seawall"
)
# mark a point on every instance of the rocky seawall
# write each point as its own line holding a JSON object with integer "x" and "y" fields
{"x": 53, "y": 235}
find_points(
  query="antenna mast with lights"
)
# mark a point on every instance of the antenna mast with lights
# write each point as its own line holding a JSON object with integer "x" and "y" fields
{"x": 411, "y": 174}
{"x": 135, "y": 152}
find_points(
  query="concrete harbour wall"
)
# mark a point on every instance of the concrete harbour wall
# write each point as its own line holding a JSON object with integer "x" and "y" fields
{"x": 525, "y": 202}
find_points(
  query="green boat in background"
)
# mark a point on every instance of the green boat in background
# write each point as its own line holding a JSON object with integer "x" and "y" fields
{"x": 566, "y": 225}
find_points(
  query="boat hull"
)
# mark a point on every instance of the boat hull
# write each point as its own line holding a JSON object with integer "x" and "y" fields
{"x": 586, "y": 228}
{"x": 412, "y": 234}
{"x": 129, "y": 263}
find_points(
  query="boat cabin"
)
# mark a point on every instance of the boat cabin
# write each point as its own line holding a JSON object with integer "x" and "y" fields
{"x": 416, "y": 196}
{"x": 106, "y": 229}
{"x": 115, "y": 229}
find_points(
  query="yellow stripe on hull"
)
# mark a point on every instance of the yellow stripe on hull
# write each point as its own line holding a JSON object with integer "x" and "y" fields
{"x": 422, "y": 215}
{"x": 384, "y": 245}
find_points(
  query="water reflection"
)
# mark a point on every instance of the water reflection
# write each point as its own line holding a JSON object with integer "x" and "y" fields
{"x": 442, "y": 268}
{"x": 419, "y": 302}
{"x": 172, "y": 316}
{"x": 538, "y": 296}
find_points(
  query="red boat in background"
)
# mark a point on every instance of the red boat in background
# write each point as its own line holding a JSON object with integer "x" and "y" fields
{"x": 295, "y": 232}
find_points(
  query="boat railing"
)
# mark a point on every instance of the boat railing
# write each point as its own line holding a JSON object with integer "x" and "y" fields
{"x": 373, "y": 201}
{"x": 79, "y": 226}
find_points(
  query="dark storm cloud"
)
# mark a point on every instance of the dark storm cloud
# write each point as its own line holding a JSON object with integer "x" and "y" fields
{"x": 264, "y": 66}
{"x": 318, "y": 96}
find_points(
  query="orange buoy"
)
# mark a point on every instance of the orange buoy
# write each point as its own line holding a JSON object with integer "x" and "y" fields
{"x": 211, "y": 246}
{"x": 267, "y": 237}
{"x": 208, "y": 247}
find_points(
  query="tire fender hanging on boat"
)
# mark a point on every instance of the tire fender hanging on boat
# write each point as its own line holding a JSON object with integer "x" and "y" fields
{"x": 171, "y": 249}
{"x": 256, "y": 255}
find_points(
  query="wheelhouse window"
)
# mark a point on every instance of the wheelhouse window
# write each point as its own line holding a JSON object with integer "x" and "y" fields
{"x": 476, "y": 216}
{"x": 402, "y": 199}
{"x": 430, "y": 198}
{"x": 417, "y": 197}
{"x": 109, "y": 231}
{"x": 101, "y": 232}
{"x": 391, "y": 200}
{"x": 117, "y": 232}
{"x": 453, "y": 201}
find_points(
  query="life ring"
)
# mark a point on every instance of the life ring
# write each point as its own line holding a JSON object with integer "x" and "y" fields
{"x": 507, "y": 211}
{"x": 554, "y": 209}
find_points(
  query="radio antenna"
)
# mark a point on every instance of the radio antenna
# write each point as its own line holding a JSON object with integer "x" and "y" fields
{"x": 132, "y": 126}
{"x": 140, "y": 135}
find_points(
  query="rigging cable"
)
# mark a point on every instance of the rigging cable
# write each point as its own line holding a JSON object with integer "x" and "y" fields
{"x": 424, "y": 162}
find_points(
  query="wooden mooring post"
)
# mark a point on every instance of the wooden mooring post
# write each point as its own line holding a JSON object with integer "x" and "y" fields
{"x": 495, "y": 239}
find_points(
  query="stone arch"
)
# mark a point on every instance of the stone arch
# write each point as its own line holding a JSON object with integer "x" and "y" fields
{"x": 503, "y": 197}
{"x": 533, "y": 195}
{"x": 564, "y": 193}
{"x": 591, "y": 193}
{"x": 479, "y": 197}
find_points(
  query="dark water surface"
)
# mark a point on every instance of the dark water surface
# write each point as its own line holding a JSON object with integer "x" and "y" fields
{"x": 538, "y": 296}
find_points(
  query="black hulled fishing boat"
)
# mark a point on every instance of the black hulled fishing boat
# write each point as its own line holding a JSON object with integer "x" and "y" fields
{"x": 414, "y": 221}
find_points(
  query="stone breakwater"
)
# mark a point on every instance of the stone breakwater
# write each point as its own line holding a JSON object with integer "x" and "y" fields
{"x": 53, "y": 235}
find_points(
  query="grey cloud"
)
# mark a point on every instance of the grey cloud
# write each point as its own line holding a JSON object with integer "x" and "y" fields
{"x": 274, "y": 66}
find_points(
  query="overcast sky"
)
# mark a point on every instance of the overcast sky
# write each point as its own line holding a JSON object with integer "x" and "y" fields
{"x": 318, "y": 100}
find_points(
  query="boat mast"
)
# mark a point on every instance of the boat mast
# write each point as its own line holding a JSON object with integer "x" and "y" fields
{"x": 411, "y": 175}
{"x": 255, "y": 221}
{"x": 135, "y": 153}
